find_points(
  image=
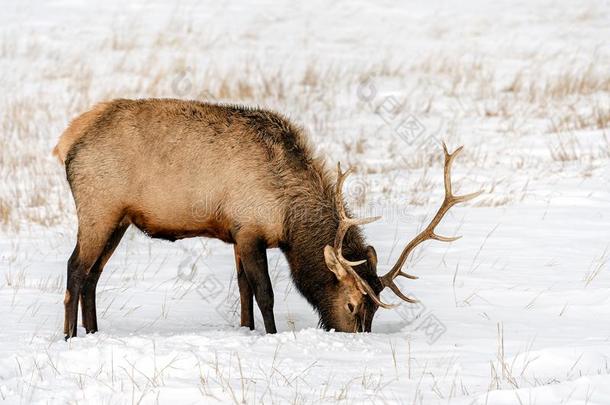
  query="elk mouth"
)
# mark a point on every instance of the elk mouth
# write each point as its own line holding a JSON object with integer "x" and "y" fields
{"x": 359, "y": 327}
{"x": 328, "y": 322}
{"x": 362, "y": 325}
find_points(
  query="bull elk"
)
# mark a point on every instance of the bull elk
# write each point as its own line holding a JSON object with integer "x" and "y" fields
{"x": 177, "y": 169}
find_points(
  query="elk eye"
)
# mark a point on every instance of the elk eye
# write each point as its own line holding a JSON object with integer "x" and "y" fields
{"x": 350, "y": 307}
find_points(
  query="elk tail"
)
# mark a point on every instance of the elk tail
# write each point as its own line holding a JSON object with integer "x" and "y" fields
{"x": 76, "y": 130}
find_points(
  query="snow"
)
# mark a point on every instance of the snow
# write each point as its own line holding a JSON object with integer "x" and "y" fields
{"x": 515, "y": 312}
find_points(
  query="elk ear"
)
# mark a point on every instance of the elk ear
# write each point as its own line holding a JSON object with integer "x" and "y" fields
{"x": 333, "y": 263}
{"x": 371, "y": 256}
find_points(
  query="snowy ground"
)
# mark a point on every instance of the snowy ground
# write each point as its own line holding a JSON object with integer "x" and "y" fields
{"x": 516, "y": 312}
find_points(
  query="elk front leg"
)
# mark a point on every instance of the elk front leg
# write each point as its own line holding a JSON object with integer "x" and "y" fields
{"x": 253, "y": 255}
{"x": 246, "y": 294}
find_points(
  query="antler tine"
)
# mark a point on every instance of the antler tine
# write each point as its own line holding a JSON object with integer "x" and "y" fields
{"x": 429, "y": 232}
{"x": 405, "y": 275}
{"x": 341, "y": 176}
{"x": 403, "y": 297}
{"x": 369, "y": 291}
{"x": 344, "y": 224}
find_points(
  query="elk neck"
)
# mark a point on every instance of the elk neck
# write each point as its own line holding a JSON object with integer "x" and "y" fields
{"x": 311, "y": 223}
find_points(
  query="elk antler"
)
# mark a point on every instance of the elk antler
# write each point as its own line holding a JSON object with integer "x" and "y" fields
{"x": 345, "y": 223}
{"x": 428, "y": 233}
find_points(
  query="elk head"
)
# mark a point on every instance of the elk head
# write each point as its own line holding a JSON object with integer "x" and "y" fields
{"x": 355, "y": 305}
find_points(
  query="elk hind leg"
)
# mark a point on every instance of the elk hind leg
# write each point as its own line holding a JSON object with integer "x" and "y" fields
{"x": 88, "y": 290}
{"x": 91, "y": 240}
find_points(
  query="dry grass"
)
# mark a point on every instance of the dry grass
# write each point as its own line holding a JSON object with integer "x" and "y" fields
{"x": 599, "y": 264}
{"x": 573, "y": 120}
{"x": 541, "y": 85}
{"x": 5, "y": 212}
{"x": 442, "y": 90}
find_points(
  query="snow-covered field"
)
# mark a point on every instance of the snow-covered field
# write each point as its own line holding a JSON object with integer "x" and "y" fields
{"x": 515, "y": 312}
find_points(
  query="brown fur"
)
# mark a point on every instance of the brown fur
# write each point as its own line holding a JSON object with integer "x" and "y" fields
{"x": 77, "y": 129}
{"x": 178, "y": 169}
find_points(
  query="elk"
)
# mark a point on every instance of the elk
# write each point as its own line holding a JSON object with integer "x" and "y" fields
{"x": 178, "y": 169}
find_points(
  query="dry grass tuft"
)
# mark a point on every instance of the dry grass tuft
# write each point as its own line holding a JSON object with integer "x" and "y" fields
{"x": 5, "y": 212}
{"x": 573, "y": 120}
